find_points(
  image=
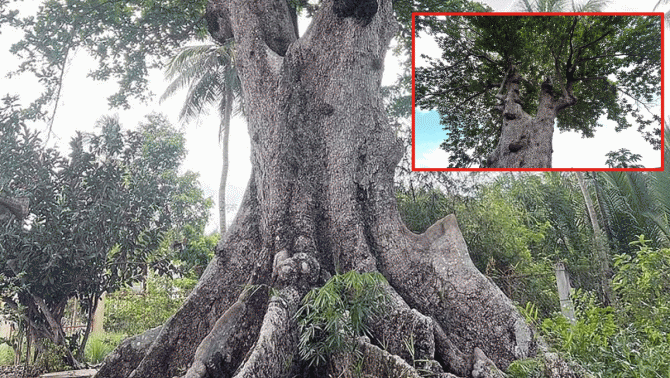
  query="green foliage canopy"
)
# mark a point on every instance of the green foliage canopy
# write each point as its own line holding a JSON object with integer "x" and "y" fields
{"x": 610, "y": 64}
{"x": 632, "y": 341}
{"x": 95, "y": 217}
{"x": 131, "y": 312}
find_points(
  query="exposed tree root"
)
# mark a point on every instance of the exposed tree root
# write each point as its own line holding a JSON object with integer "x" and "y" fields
{"x": 221, "y": 351}
{"x": 483, "y": 367}
{"x": 453, "y": 358}
{"x": 433, "y": 272}
{"x": 373, "y": 361}
{"x": 123, "y": 360}
{"x": 272, "y": 355}
{"x": 404, "y": 331}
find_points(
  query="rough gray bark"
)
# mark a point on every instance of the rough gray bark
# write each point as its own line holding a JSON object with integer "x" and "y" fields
{"x": 526, "y": 141}
{"x": 17, "y": 207}
{"x": 320, "y": 200}
{"x": 124, "y": 359}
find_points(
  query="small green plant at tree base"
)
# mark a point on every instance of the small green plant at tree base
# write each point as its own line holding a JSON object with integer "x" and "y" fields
{"x": 333, "y": 316}
{"x": 526, "y": 368}
{"x": 530, "y": 312}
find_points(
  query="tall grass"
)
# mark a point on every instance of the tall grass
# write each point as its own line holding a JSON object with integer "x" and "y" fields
{"x": 100, "y": 345}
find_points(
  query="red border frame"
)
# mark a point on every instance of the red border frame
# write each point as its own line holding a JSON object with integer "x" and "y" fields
{"x": 660, "y": 14}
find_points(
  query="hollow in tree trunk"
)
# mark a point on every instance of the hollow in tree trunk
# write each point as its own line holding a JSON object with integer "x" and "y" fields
{"x": 320, "y": 200}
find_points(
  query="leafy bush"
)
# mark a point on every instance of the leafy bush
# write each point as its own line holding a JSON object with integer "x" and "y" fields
{"x": 52, "y": 357}
{"x": 643, "y": 283}
{"x": 334, "y": 315}
{"x": 421, "y": 208}
{"x": 634, "y": 340}
{"x": 132, "y": 312}
{"x": 590, "y": 335}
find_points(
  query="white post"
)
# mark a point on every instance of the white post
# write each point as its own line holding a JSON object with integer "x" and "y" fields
{"x": 99, "y": 316}
{"x": 563, "y": 283}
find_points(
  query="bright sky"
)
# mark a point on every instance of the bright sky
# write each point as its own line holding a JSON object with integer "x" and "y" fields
{"x": 570, "y": 149}
{"x": 84, "y": 101}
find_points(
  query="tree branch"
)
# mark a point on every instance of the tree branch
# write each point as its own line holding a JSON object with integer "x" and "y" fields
{"x": 447, "y": 91}
{"x": 57, "y": 329}
{"x": 569, "y": 66}
{"x": 589, "y": 78}
{"x": 593, "y": 42}
{"x": 637, "y": 101}
{"x": 608, "y": 56}
{"x": 471, "y": 97}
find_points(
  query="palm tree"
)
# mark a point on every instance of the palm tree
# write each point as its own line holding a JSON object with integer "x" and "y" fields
{"x": 639, "y": 203}
{"x": 210, "y": 75}
{"x": 561, "y": 6}
{"x": 667, "y": 14}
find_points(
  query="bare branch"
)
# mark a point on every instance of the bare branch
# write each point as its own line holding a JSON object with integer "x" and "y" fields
{"x": 637, "y": 101}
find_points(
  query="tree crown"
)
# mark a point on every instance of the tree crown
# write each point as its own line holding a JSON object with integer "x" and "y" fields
{"x": 610, "y": 64}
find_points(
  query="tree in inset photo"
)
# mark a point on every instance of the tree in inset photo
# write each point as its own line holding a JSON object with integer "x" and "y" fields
{"x": 502, "y": 83}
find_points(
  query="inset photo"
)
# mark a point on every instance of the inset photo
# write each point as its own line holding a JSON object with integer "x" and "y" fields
{"x": 553, "y": 91}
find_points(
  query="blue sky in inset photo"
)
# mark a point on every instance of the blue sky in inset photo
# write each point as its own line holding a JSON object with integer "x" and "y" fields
{"x": 428, "y": 134}
{"x": 571, "y": 150}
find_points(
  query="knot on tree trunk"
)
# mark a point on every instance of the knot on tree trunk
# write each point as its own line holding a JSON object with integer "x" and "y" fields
{"x": 218, "y": 21}
{"x": 301, "y": 270}
{"x": 518, "y": 145}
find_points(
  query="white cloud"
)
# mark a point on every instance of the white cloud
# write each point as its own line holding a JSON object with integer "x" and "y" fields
{"x": 433, "y": 158}
{"x": 573, "y": 151}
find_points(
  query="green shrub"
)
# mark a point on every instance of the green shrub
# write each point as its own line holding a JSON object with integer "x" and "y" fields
{"x": 643, "y": 284}
{"x": 52, "y": 358}
{"x": 334, "y": 315}
{"x": 422, "y": 208}
{"x": 131, "y": 313}
{"x": 634, "y": 340}
{"x": 589, "y": 335}
{"x": 526, "y": 368}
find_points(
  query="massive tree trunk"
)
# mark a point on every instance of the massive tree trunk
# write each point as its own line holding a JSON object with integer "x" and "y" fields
{"x": 320, "y": 200}
{"x": 526, "y": 141}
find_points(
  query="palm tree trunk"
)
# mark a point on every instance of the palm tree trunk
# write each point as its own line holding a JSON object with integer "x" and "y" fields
{"x": 602, "y": 250}
{"x": 224, "y": 133}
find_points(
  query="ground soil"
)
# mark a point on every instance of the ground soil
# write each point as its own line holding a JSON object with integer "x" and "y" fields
{"x": 19, "y": 371}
